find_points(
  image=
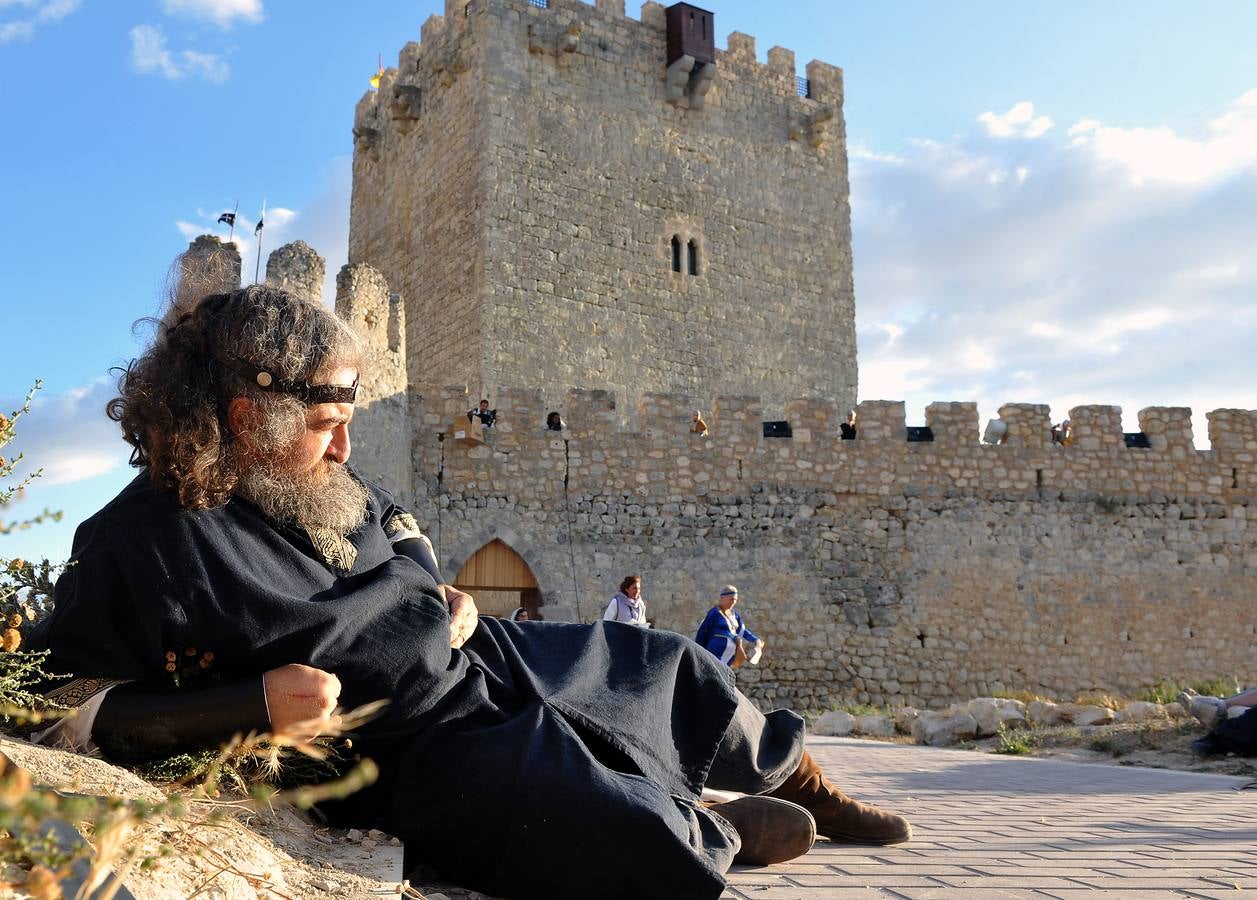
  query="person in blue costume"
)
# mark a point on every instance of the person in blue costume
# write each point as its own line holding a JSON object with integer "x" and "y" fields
{"x": 249, "y": 579}
{"x": 723, "y": 627}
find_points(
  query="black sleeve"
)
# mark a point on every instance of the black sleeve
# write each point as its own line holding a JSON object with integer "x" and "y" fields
{"x": 146, "y": 720}
{"x": 404, "y": 534}
{"x": 418, "y": 551}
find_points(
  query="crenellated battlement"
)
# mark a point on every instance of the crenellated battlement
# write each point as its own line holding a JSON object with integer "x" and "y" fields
{"x": 660, "y": 456}
{"x": 572, "y": 27}
{"x": 880, "y": 460}
{"x": 543, "y": 170}
{"x": 1097, "y": 429}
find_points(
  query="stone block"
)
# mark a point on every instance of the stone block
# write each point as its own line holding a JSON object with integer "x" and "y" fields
{"x": 666, "y": 416}
{"x": 834, "y": 724}
{"x": 1090, "y": 715}
{"x": 591, "y": 414}
{"x": 1169, "y": 428}
{"x": 1029, "y": 425}
{"x": 953, "y": 424}
{"x": 1096, "y": 428}
{"x": 737, "y": 420}
{"x": 741, "y": 46}
{"x": 874, "y": 726}
{"x": 881, "y": 421}
{"x": 825, "y": 81}
{"x": 654, "y": 15}
{"x": 904, "y": 717}
{"x": 941, "y": 729}
{"x": 1140, "y": 711}
{"x": 1233, "y": 431}
{"x": 990, "y": 713}
{"x": 1045, "y": 712}
{"x": 781, "y": 61}
{"x": 519, "y": 409}
{"x": 819, "y": 416}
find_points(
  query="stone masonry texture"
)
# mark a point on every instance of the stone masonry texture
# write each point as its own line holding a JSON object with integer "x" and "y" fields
{"x": 878, "y": 570}
{"x": 519, "y": 178}
{"x": 517, "y": 182}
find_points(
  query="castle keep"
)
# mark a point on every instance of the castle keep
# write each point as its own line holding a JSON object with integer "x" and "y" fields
{"x": 560, "y": 203}
{"x": 519, "y": 179}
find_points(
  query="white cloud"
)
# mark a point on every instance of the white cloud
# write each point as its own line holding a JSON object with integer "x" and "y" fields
{"x": 1159, "y": 154}
{"x": 1075, "y": 283}
{"x": 69, "y": 437}
{"x": 223, "y": 13}
{"x": 1020, "y": 121}
{"x": 35, "y": 13}
{"x": 323, "y": 225}
{"x": 149, "y": 53}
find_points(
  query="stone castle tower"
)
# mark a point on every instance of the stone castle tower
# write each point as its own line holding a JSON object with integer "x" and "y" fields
{"x": 564, "y": 196}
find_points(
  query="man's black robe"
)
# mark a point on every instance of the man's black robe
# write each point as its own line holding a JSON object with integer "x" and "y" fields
{"x": 538, "y": 760}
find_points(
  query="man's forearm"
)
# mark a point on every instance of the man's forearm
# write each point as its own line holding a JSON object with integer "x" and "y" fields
{"x": 146, "y": 720}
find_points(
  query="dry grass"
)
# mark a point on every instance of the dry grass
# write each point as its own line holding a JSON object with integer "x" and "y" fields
{"x": 253, "y": 764}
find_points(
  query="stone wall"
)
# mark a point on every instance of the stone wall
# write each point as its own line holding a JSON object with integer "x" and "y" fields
{"x": 877, "y": 570}
{"x": 519, "y": 178}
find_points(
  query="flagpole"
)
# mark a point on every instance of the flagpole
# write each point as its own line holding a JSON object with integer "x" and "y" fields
{"x": 231, "y": 238}
{"x": 257, "y": 269}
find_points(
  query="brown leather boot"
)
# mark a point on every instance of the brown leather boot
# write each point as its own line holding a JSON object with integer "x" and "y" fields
{"x": 838, "y": 817}
{"x": 771, "y": 830}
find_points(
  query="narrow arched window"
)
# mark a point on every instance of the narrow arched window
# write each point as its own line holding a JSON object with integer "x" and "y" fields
{"x": 676, "y": 254}
{"x": 692, "y": 257}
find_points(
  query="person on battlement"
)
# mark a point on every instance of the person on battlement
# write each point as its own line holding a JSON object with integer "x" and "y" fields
{"x": 482, "y": 412}
{"x": 249, "y": 579}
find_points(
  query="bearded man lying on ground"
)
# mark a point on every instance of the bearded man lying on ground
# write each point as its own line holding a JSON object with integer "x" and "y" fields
{"x": 247, "y": 579}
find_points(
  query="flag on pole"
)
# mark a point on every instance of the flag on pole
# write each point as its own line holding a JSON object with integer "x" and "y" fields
{"x": 375, "y": 79}
{"x": 257, "y": 268}
{"x": 230, "y": 219}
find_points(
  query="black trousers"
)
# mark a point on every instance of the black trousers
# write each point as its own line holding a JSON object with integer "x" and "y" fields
{"x": 1239, "y": 735}
{"x": 759, "y": 752}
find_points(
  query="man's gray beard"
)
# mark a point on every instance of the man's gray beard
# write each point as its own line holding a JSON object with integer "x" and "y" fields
{"x": 325, "y": 497}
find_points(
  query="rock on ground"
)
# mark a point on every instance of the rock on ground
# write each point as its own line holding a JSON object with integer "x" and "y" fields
{"x": 993, "y": 712}
{"x": 834, "y": 724}
{"x": 941, "y": 729}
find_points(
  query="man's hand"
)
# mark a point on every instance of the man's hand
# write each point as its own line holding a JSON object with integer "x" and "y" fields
{"x": 463, "y": 615}
{"x": 301, "y": 700}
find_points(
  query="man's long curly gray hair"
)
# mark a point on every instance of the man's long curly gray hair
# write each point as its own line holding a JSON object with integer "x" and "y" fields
{"x": 172, "y": 401}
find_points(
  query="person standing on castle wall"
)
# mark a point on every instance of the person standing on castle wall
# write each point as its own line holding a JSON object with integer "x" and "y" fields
{"x": 1064, "y": 434}
{"x": 700, "y": 427}
{"x": 848, "y": 427}
{"x": 724, "y": 634}
{"x": 486, "y": 416}
{"x": 628, "y": 605}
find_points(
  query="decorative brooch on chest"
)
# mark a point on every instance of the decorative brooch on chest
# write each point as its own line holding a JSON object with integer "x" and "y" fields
{"x": 335, "y": 548}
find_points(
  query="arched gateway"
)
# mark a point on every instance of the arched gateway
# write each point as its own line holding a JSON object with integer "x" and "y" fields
{"x": 500, "y": 581}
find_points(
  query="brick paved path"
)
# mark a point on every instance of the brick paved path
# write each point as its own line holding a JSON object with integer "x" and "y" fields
{"x": 998, "y": 826}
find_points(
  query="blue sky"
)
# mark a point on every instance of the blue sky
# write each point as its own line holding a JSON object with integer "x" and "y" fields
{"x": 1052, "y": 202}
